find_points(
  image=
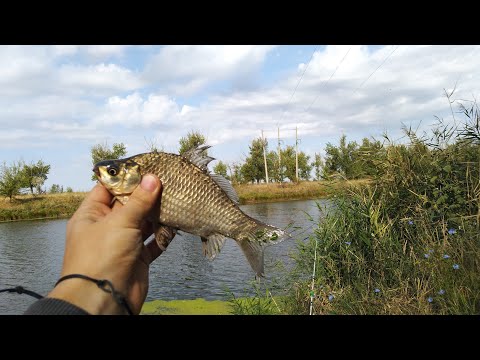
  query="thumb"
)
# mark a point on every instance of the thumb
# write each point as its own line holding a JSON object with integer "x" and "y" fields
{"x": 142, "y": 201}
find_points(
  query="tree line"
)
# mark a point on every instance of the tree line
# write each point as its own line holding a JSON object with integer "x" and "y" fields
{"x": 347, "y": 160}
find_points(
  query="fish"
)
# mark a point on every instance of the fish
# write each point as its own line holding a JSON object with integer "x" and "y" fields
{"x": 194, "y": 201}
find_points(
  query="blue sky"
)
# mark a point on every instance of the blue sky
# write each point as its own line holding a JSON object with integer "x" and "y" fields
{"x": 56, "y": 102}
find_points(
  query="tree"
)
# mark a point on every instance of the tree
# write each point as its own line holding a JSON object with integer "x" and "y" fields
{"x": 288, "y": 160}
{"x": 192, "y": 140}
{"x": 342, "y": 159}
{"x": 274, "y": 172}
{"x": 254, "y": 167}
{"x": 69, "y": 189}
{"x": 56, "y": 189}
{"x": 221, "y": 169}
{"x": 102, "y": 152}
{"x": 236, "y": 173}
{"x": 318, "y": 166}
{"x": 35, "y": 175}
{"x": 12, "y": 179}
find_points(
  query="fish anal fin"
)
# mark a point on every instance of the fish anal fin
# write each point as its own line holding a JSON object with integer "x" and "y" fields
{"x": 212, "y": 245}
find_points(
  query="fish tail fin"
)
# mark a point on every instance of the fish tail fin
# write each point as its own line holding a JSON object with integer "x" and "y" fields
{"x": 254, "y": 240}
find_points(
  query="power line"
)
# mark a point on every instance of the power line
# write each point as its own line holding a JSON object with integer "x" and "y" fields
{"x": 325, "y": 83}
{"x": 298, "y": 82}
{"x": 374, "y": 71}
{"x": 301, "y": 77}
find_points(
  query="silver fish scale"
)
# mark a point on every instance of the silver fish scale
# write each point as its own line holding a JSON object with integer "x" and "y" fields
{"x": 191, "y": 200}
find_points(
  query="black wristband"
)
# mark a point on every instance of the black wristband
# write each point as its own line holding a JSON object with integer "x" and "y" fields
{"x": 105, "y": 285}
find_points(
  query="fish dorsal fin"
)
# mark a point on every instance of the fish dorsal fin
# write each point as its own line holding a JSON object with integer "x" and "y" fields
{"x": 226, "y": 186}
{"x": 212, "y": 245}
{"x": 198, "y": 156}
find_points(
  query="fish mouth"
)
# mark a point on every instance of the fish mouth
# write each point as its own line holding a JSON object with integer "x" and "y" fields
{"x": 96, "y": 170}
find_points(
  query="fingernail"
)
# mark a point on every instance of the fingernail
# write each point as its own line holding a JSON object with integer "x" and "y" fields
{"x": 149, "y": 183}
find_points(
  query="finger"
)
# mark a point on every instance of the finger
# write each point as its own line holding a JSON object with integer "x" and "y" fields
{"x": 142, "y": 201}
{"x": 97, "y": 200}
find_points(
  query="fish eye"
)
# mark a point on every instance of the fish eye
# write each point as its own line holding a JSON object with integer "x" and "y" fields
{"x": 112, "y": 171}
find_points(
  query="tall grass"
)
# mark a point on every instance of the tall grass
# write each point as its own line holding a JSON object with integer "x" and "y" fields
{"x": 407, "y": 243}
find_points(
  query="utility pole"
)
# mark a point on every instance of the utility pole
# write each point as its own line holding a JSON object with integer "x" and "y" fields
{"x": 279, "y": 157}
{"x": 265, "y": 158}
{"x": 296, "y": 152}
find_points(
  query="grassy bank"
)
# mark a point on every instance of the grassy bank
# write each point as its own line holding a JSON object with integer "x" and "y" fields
{"x": 249, "y": 193}
{"x": 52, "y": 206}
{"x": 28, "y": 207}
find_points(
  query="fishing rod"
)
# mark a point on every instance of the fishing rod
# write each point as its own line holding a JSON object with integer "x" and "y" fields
{"x": 312, "y": 293}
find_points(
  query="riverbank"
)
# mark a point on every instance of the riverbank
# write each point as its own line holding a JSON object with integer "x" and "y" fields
{"x": 305, "y": 190}
{"x": 56, "y": 206}
{"x": 46, "y": 206}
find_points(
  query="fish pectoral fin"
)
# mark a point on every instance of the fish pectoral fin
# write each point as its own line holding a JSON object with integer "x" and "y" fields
{"x": 164, "y": 236}
{"x": 254, "y": 253}
{"x": 212, "y": 245}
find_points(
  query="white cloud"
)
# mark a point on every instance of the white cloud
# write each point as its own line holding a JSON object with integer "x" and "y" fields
{"x": 105, "y": 51}
{"x": 188, "y": 68}
{"x": 98, "y": 78}
{"x": 132, "y": 111}
{"x": 64, "y": 50}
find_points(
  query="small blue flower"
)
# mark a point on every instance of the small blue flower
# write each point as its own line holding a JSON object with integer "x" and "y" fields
{"x": 430, "y": 299}
{"x": 410, "y": 222}
{"x": 348, "y": 242}
{"x": 446, "y": 256}
{"x": 452, "y": 231}
{"x": 426, "y": 256}
{"x": 377, "y": 290}
{"x": 441, "y": 292}
{"x": 331, "y": 297}
{"x": 456, "y": 266}
{"x": 430, "y": 251}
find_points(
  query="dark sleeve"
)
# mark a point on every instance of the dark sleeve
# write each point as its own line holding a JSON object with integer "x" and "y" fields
{"x": 51, "y": 306}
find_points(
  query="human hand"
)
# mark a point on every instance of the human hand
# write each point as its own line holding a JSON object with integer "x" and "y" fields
{"x": 105, "y": 242}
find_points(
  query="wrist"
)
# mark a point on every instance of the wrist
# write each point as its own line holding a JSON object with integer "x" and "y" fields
{"x": 88, "y": 296}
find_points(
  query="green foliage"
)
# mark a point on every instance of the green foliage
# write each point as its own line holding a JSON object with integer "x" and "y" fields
{"x": 258, "y": 304}
{"x": 35, "y": 175}
{"x": 221, "y": 169}
{"x": 102, "y": 152}
{"x": 12, "y": 179}
{"x": 56, "y": 189}
{"x": 275, "y": 172}
{"x": 351, "y": 161}
{"x": 317, "y": 165}
{"x": 69, "y": 189}
{"x": 236, "y": 174}
{"x": 406, "y": 244}
{"x": 253, "y": 170}
{"x": 289, "y": 163}
{"x": 192, "y": 140}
